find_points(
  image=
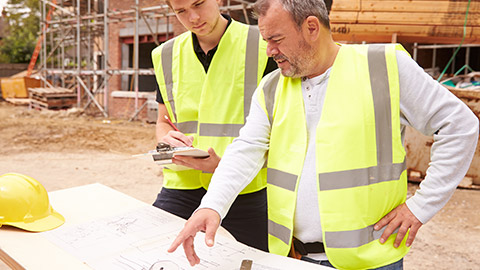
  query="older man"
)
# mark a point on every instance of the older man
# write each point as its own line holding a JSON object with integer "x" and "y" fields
{"x": 332, "y": 122}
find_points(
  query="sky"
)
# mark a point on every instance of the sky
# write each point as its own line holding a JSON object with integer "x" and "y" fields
{"x": 2, "y": 3}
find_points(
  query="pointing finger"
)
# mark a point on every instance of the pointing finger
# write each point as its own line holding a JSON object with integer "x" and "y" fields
{"x": 189, "y": 249}
{"x": 176, "y": 243}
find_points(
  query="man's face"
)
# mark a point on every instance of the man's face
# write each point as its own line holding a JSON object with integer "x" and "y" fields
{"x": 198, "y": 16}
{"x": 286, "y": 43}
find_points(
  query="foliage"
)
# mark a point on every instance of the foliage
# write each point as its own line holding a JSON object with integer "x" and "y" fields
{"x": 21, "y": 33}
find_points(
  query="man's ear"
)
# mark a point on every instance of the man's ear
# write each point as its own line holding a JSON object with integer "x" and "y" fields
{"x": 311, "y": 28}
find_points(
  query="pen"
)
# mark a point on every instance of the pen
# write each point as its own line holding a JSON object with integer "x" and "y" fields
{"x": 170, "y": 122}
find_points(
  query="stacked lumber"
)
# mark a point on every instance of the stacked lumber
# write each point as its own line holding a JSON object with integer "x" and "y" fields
{"x": 52, "y": 98}
{"x": 422, "y": 21}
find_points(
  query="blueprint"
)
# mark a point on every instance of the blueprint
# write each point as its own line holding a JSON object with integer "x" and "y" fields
{"x": 139, "y": 240}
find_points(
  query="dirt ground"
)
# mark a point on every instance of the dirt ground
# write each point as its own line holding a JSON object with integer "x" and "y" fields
{"x": 63, "y": 150}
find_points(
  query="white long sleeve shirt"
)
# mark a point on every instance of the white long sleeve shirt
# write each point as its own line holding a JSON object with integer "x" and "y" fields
{"x": 424, "y": 104}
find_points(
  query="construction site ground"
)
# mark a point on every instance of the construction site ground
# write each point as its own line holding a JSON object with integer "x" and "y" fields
{"x": 64, "y": 149}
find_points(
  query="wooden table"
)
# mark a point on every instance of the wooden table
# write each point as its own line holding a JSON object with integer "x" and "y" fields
{"x": 20, "y": 249}
{"x": 81, "y": 205}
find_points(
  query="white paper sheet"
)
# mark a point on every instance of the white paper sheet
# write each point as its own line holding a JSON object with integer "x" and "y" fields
{"x": 139, "y": 240}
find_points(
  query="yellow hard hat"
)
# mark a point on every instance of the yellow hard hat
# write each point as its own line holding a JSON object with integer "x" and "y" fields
{"x": 24, "y": 204}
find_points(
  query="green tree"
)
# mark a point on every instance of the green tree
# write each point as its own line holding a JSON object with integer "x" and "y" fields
{"x": 23, "y": 24}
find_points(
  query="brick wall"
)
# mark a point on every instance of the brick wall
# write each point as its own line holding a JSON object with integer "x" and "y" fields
{"x": 124, "y": 107}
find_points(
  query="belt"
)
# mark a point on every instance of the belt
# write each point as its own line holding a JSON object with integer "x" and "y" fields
{"x": 305, "y": 248}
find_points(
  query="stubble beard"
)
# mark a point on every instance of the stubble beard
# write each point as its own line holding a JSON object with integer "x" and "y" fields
{"x": 300, "y": 62}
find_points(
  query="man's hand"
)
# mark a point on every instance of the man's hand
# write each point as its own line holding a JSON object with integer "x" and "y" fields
{"x": 165, "y": 131}
{"x": 177, "y": 139}
{"x": 402, "y": 218}
{"x": 206, "y": 220}
{"x": 208, "y": 164}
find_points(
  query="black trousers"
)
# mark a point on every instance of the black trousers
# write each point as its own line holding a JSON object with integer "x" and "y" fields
{"x": 246, "y": 219}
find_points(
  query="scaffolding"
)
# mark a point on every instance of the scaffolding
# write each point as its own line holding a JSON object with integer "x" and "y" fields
{"x": 73, "y": 54}
{"x": 434, "y": 47}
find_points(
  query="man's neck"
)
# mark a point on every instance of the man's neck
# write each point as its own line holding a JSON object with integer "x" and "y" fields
{"x": 325, "y": 59}
{"x": 211, "y": 40}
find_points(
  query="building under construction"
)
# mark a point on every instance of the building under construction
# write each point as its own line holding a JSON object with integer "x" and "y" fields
{"x": 118, "y": 81}
{"x": 115, "y": 80}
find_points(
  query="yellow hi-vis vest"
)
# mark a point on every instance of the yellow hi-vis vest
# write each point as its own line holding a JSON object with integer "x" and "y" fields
{"x": 210, "y": 106}
{"x": 360, "y": 159}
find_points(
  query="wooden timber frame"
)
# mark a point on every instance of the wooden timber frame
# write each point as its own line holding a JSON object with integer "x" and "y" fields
{"x": 409, "y": 21}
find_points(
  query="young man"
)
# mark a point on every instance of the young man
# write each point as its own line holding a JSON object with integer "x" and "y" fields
{"x": 332, "y": 120}
{"x": 206, "y": 78}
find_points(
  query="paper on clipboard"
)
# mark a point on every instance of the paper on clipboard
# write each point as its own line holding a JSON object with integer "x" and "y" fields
{"x": 190, "y": 152}
{"x": 164, "y": 158}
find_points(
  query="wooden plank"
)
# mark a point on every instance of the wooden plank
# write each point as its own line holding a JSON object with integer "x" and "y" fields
{"x": 431, "y": 1}
{"x": 420, "y": 18}
{"x": 346, "y": 5}
{"x": 10, "y": 261}
{"x": 420, "y": 6}
{"x": 411, "y": 30}
{"x": 18, "y": 101}
{"x": 476, "y": 32}
{"x": 463, "y": 93}
{"x": 55, "y": 104}
{"x": 343, "y": 17}
{"x": 52, "y": 95}
{"x": 53, "y": 90}
{"x": 53, "y": 99}
{"x": 411, "y": 33}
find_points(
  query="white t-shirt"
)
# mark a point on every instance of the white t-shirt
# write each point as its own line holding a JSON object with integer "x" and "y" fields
{"x": 424, "y": 104}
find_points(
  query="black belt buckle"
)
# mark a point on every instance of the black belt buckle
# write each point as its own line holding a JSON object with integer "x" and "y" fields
{"x": 304, "y": 249}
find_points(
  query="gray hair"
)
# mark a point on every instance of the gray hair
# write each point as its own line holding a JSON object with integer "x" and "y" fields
{"x": 299, "y": 9}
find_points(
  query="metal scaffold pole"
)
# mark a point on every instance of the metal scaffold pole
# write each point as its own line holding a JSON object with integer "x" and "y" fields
{"x": 77, "y": 46}
{"x": 105, "y": 54}
{"x": 135, "y": 52}
{"x": 78, "y": 55}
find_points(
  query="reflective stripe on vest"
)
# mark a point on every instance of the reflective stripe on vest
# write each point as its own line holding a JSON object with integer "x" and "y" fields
{"x": 214, "y": 130}
{"x": 250, "y": 84}
{"x": 211, "y": 106}
{"x": 269, "y": 89}
{"x": 385, "y": 170}
{"x": 167, "y": 56}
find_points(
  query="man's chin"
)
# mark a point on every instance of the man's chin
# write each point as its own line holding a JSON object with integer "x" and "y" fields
{"x": 289, "y": 73}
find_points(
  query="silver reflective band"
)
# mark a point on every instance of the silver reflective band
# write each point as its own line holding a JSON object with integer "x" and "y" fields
{"x": 250, "y": 84}
{"x": 281, "y": 179}
{"x": 279, "y": 231}
{"x": 167, "y": 56}
{"x": 251, "y": 68}
{"x": 188, "y": 127}
{"x": 220, "y": 130}
{"x": 385, "y": 169}
{"x": 269, "y": 89}
{"x": 361, "y": 177}
{"x": 377, "y": 65}
{"x": 353, "y": 239}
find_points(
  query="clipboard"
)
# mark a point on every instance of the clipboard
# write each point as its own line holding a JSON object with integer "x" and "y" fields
{"x": 164, "y": 153}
